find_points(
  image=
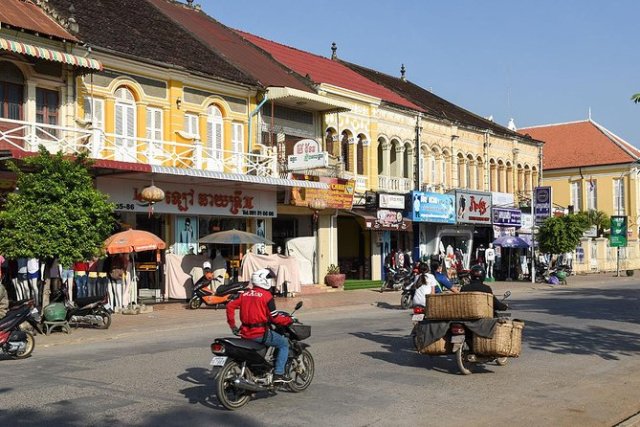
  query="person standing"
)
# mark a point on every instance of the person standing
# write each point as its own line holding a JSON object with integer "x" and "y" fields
{"x": 66, "y": 278}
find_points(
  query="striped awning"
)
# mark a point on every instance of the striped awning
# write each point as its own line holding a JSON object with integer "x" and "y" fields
{"x": 49, "y": 54}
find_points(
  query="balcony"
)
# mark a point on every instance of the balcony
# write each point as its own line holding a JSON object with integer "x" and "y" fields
{"x": 362, "y": 181}
{"x": 395, "y": 184}
{"x": 27, "y": 136}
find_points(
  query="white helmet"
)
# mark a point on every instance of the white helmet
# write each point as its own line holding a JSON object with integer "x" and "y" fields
{"x": 206, "y": 266}
{"x": 260, "y": 278}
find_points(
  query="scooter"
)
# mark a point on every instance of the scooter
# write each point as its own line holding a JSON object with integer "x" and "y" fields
{"x": 90, "y": 311}
{"x": 396, "y": 279}
{"x": 14, "y": 341}
{"x": 222, "y": 295}
{"x": 241, "y": 368}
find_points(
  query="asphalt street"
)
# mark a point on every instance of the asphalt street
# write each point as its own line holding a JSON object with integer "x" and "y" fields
{"x": 579, "y": 366}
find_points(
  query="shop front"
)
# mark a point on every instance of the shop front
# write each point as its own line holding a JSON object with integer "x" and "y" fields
{"x": 511, "y": 263}
{"x": 434, "y": 219}
{"x": 473, "y": 232}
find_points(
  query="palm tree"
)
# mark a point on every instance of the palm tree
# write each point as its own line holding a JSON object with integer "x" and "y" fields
{"x": 636, "y": 98}
{"x": 598, "y": 218}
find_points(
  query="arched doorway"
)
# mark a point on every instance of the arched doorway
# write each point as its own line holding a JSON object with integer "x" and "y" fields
{"x": 11, "y": 94}
{"x": 125, "y": 126}
{"x": 215, "y": 138}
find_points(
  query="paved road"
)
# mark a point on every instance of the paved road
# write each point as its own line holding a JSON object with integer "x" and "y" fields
{"x": 579, "y": 366}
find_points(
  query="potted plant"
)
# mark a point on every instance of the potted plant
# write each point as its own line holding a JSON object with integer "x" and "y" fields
{"x": 334, "y": 278}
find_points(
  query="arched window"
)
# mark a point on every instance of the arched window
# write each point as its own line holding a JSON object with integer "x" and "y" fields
{"x": 360, "y": 155}
{"x": 125, "y": 125}
{"x": 215, "y": 136}
{"x": 393, "y": 159}
{"x": 11, "y": 93}
{"x": 344, "y": 150}
{"x": 380, "y": 156}
{"x": 408, "y": 161}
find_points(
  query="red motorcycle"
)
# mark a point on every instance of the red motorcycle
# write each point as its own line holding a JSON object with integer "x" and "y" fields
{"x": 15, "y": 342}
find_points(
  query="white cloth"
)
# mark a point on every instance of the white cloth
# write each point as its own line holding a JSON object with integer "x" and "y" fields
{"x": 303, "y": 249}
{"x": 33, "y": 265}
{"x": 285, "y": 268}
{"x": 428, "y": 288}
{"x": 177, "y": 277}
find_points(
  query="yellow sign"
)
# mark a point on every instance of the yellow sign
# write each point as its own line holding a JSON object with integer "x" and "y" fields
{"x": 339, "y": 195}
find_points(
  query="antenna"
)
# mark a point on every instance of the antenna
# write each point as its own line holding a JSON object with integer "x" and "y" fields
{"x": 589, "y": 113}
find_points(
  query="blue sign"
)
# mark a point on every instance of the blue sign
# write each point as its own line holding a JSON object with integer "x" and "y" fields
{"x": 507, "y": 217}
{"x": 432, "y": 207}
{"x": 542, "y": 204}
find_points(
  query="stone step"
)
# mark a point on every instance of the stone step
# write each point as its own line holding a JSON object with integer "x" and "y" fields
{"x": 318, "y": 289}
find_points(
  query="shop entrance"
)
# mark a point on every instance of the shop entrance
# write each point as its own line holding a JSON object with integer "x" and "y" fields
{"x": 149, "y": 270}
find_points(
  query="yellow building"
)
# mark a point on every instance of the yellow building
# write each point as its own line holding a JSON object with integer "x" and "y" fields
{"x": 588, "y": 167}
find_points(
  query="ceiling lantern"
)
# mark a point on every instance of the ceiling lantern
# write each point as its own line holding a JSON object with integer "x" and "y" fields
{"x": 152, "y": 195}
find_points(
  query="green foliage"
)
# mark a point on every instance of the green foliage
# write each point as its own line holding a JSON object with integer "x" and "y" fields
{"x": 333, "y": 269}
{"x": 56, "y": 211}
{"x": 636, "y": 98}
{"x": 558, "y": 235}
{"x": 598, "y": 218}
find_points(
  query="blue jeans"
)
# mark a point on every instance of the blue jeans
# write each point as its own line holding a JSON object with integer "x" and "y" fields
{"x": 81, "y": 286}
{"x": 273, "y": 339}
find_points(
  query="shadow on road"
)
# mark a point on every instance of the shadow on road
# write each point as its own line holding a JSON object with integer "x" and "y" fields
{"x": 386, "y": 305}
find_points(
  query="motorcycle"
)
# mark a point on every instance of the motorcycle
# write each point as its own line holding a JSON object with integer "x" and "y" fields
{"x": 222, "y": 295}
{"x": 461, "y": 337}
{"x": 396, "y": 279}
{"x": 90, "y": 311}
{"x": 408, "y": 291}
{"x": 241, "y": 368}
{"x": 14, "y": 341}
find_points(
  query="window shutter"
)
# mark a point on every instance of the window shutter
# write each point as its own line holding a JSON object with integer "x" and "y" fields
{"x": 119, "y": 120}
{"x": 131, "y": 121}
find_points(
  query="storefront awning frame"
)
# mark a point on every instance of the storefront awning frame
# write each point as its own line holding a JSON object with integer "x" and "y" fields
{"x": 49, "y": 54}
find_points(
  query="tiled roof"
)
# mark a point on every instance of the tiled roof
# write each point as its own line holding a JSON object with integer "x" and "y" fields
{"x": 432, "y": 104}
{"x": 230, "y": 45}
{"x": 583, "y": 143}
{"x": 324, "y": 70}
{"x": 138, "y": 29}
{"x": 25, "y": 14}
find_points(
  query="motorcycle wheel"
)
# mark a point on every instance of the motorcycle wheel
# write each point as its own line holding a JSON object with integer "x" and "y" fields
{"x": 501, "y": 361}
{"x": 405, "y": 301}
{"x": 106, "y": 319}
{"x": 301, "y": 371}
{"x": 195, "y": 303}
{"x": 28, "y": 349}
{"x": 461, "y": 358}
{"x": 229, "y": 396}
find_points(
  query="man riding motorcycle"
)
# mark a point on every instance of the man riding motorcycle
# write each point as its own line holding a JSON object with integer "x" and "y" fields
{"x": 257, "y": 311}
{"x": 478, "y": 275}
{"x": 441, "y": 278}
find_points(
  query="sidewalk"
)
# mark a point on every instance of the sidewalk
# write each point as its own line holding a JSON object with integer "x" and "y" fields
{"x": 170, "y": 316}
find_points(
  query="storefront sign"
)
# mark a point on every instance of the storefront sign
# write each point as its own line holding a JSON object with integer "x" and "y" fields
{"x": 502, "y": 199}
{"x": 339, "y": 195}
{"x": 618, "y": 236}
{"x": 473, "y": 207}
{"x": 507, "y": 217}
{"x": 543, "y": 204}
{"x": 390, "y": 220}
{"x": 432, "y": 207}
{"x": 307, "y": 155}
{"x": 191, "y": 200}
{"x": 527, "y": 222}
{"x": 391, "y": 201}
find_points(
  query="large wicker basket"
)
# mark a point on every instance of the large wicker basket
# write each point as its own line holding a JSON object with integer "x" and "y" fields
{"x": 459, "y": 306}
{"x": 506, "y": 340}
{"x": 439, "y": 347}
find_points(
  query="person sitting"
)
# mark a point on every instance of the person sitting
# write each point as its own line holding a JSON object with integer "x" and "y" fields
{"x": 441, "y": 278}
{"x": 477, "y": 285}
{"x": 425, "y": 284}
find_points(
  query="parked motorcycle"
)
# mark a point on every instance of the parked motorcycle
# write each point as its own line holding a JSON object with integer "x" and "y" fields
{"x": 408, "y": 291}
{"x": 244, "y": 367}
{"x": 90, "y": 311}
{"x": 397, "y": 279}
{"x": 14, "y": 341}
{"x": 222, "y": 295}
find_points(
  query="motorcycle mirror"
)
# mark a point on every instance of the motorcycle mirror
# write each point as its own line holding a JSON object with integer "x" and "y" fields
{"x": 299, "y": 305}
{"x": 507, "y": 294}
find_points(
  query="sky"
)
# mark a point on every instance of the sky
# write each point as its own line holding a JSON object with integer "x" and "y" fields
{"x": 538, "y": 62}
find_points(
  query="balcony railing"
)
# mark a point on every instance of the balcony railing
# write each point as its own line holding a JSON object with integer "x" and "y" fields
{"x": 395, "y": 184}
{"x": 27, "y": 136}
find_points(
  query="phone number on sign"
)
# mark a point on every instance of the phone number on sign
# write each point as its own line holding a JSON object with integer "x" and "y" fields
{"x": 125, "y": 206}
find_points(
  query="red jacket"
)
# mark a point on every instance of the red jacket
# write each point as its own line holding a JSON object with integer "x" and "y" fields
{"x": 257, "y": 310}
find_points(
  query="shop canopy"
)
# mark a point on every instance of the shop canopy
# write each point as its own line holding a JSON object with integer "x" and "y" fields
{"x": 49, "y": 54}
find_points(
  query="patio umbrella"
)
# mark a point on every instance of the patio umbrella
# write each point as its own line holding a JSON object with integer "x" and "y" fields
{"x": 510, "y": 242}
{"x": 234, "y": 237}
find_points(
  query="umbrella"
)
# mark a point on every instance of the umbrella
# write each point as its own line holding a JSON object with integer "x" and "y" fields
{"x": 234, "y": 237}
{"x": 510, "y": 242}
{"x": 130, "y": 241}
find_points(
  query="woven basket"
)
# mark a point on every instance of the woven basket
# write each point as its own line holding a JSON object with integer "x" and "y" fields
{"x": 460, "y": 306}
{"x": 506, "y": 340}
{"x": 438, "y": 347}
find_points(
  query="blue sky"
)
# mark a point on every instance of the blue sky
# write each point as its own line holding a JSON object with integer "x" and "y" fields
{"x": 539, "y": 61}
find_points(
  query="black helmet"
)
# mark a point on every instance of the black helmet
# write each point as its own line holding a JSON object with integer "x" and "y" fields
{"x": 477, "y": 272}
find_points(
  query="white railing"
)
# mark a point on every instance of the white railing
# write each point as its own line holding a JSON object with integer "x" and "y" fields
{"x": 27, "y": 136}
{"x": 362, "y": 181}
{"x": 395, "y": 184}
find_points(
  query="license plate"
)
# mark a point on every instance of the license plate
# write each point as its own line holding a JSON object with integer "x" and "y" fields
{"x": 457, "y": 339}
{"x": 218, "y": 361}
{"x": 417, "y": 317}
{"x": 107, "y": 306}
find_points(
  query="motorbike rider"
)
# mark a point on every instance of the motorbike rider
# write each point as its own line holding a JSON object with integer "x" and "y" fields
{"x": 441, "y": 278}
{"x": 207, "y": 275}
{"x": 425, "y": 284}
{"x": 478, "y": 275}
{"x": 4, "y": 301}
{"x": 257, "y": 311}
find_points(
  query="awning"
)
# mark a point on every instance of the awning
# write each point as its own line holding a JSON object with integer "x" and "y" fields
{"x": 49, "y": 54}
{"x": 238, "y": 177}
{"x": 296, "y": 98}
{"x": 369, "y": 221}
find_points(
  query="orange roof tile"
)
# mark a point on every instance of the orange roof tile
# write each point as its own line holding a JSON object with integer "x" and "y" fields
{"x": 584, "y": 143}
{"x": 325, "y": 70}
{"x": 27, "y": 15}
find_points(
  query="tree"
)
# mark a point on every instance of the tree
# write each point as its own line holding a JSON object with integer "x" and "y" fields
{"x": 55, "y": 212}
{"x": 558, "y": 235}
{"x": 598, "y": 218}
{"x": 636, "y": 98}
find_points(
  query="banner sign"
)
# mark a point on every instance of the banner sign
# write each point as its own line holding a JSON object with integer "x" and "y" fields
{"x": 307, "y": 155}
{"x": 432, "y": 207}
{"x": 391, "y": 201}
{"x": 543, "y": 203}
{"x": 506, "y": 217}
{"x": 473, "y": 207}
{"x": 339, "y": 195}
{"x": 190, "y": 200}
{"x": 618, "y": 235}
{"x": 388, "y": 220}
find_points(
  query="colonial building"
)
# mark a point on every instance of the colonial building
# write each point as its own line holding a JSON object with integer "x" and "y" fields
{"x": 588, "y": 167}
